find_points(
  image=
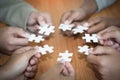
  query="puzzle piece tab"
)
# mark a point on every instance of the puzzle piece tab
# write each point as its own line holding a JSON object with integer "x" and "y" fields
{"x": 35, "y": 38}
{"x": 89, "y": 38}
{"x": 65, "y": 56}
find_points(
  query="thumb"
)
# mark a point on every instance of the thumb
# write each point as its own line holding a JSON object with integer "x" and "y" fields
{"x": 112, "y": 34}
{"x": 30, "y": 53}
{"x": 22, "y": 33}
{"x": 103, "y": 50}
{"x": 57, "y": 69}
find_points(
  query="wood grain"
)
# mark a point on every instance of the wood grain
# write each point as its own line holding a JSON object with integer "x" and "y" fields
{"x": 61, "y": 43}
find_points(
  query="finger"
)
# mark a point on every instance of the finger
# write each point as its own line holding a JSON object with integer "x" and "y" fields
{"x": 65, "y": 71}
{"x": 29, "y": 74}
{"x": 33, "y": 28}
{"x": 21, "y": 33}
{"x": 110, "y": 35}
{"x": 116, "y": 45}
{"x": 22, "y": 50}
{"x": 103, "y": 50}
{"x": 97, "y": 28}
{"x": 65, "y": 16}
{"x": 37, "y": 55}
{"x": 41, "y": 20}
{"x": 93, "y": 59}
{"x": 33, "y": 61}
{"x": 28, "y": 54}
{"x": 94, "y": 21}
{"x": 29, "y": 68}
{"x": 32, "y": 68}
{"x": 20, "y": 41}
{"x": 70, "y": 69}
{"x": 48, "y": 19}
{"x": 74, "y": 16}
{"x": 58, "y": 67}
{"x": 112, "y": 28}
{"x": 108, "y": 43}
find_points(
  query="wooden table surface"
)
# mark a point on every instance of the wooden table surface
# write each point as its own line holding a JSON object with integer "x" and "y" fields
{"x": 61, "y": 43}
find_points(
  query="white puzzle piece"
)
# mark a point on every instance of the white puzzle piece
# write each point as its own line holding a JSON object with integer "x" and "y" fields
{"x": 65, "y": 56}
{"x": 66, "y": 26}
{"x": 42, "y": 50}
{"x": 49, "y": 48}
{"x": 83, "y": 49}
{"x": 46, "y": 48}
{"x": 89, "y": 38}
{"x": 46, "y": 29}
{"x": 35, "y": 38}
{"x": 79, "y": 29}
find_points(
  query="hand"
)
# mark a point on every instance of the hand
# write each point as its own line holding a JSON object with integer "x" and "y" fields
{"x": 61, "y": 71}
{"x": 17, "y": 63}
{"x": 36, "y": 19}
{"x": 12, "y": 38}
{"x": 110, "y": 37}
{"x": 74, "y": 15}
{"x": 105, "y": 60}
{"x": 77, "y": 16}
{"x": 100, "y": 23}
{"x": 32, "y": 67}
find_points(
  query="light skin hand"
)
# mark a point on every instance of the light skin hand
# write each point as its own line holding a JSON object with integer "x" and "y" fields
{"x": 36, "y": 19}
{"x": 105, "y": 59}
{"x": 88, "y": 7}
{"x": 20, "y": 57}
{"x": 100, "y": 23}
{"x": 110, "y": 37}
{"x": 12, "y": 38}
{"x": 32, "y": 66}
{"x": 61, "y": 71}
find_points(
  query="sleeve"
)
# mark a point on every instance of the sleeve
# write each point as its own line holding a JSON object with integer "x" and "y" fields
{"x": 0, "y": 54}
{"x": 104, "y": 3}
{"x": 15, "y": 12}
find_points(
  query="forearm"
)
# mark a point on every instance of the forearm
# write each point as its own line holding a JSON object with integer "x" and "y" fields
{"x": 15, "y": 13}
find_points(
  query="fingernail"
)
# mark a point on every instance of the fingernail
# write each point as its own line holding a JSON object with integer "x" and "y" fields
{"x": 91, "y": 50}
{"x": 67, "y": 22}
{"x": 86, "y": 25}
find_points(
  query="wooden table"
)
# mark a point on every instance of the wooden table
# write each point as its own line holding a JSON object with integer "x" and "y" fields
{"x": 61, "y": 43}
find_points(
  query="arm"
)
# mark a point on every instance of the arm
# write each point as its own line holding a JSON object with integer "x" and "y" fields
{"x": 104, "y": 3}
{"x": 15, "y": 12}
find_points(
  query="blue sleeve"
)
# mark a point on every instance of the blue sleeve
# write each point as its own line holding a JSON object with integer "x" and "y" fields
{"x": 104, "y": 3}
